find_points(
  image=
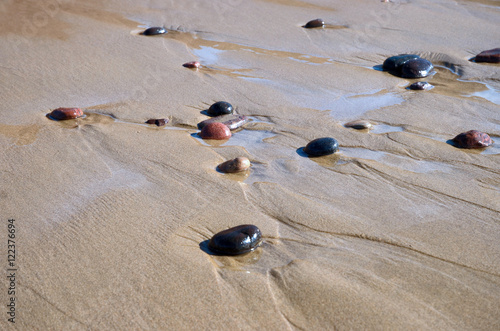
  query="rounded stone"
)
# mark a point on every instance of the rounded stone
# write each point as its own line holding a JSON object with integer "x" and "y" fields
{"x": 216, "y": 131}
{"x": 359, "y": 125}
{"x": 420, "y": 86}
{"x": 317, "y": 23}
{"x": 472, "y": 139}
{"x": 154, "y": 31}
{"x": 491, "y": 56}
{"x": 238, "y": 164}
{"x": 192, "y": 65}
{"x": 394, "y": 63}
{"x": 416, "y": 68}
{"x": 322, "y": 146}
{"x": 65, "y": 113}
{"x": 234, "y": 241}
{"x": 220, "y": 108}
{"x": 157, "y": 121}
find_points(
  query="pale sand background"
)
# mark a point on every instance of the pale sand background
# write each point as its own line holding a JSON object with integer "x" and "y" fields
{"x": 399, "y": 230}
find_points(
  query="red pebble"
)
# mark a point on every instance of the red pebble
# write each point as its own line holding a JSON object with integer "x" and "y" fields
{"x": 216, "y": 131}
{"x": 194, "y": 64}
{"x": 66, "y": 113}
{"x": 491, "y": 55}
{"x": 472, "y": 139}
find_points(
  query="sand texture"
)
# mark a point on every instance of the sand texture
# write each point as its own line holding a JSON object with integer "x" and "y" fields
{"x": 398, "y": 230}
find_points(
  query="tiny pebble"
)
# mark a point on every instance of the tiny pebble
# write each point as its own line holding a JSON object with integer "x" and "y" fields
{"x": 238, "y": 164}
{"x": 154, "y": 31}
{"x": 220, "y": 108}
{"x": 215, "y": 131}
{"x": 192, "y": 65}
{"x": 322, "y": 146}
{"x": 65, "y": 113}
{"x": 472, "y": 139}
{"x": 234, "y": 241}
{"x": 359, "y": 125}
{"x": 158, "y": 121}
{"x": 420, "y": 86}
{"x": 317, "y": 23}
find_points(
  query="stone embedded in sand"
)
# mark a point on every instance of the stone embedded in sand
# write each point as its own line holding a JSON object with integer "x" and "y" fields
{"x": 472, "y": 139}
{"x": 232, "y": 121}
{"x": 234, "y": 241}
{"x": 192, "y": 65}
{"x": 216, "y": 131}
{"x": 220, "y": 108}
{"x": 416, "y": 68}
{"x": 158, "y": 121}
{"x": 491, "y": 56}
{"x": 420, "y": 86}
{"x": 65, "y": 113}
{"x": 322, "y": 146}
{"x": 359, "y": 125}
{"x": 317, "y": 23}
{"x": 236, "y": 165}
{"x": 154, "y": 31}
{"x": 394, "y": 63}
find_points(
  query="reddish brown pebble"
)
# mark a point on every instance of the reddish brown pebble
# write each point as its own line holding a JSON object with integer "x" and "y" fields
{"x": 491, "y": 56}
{"x": 236, "y": 165}
{"x": 216, "y": 131}
{"x": 66, "y": 113}
{"x": 359, "y": 125}
{"x": 472, "y": 139}
{"x": 194, "y": 65}
{"x": 158, "y": 121}
{"x": 232, "y": 121}
{"x": 317, "y": 23}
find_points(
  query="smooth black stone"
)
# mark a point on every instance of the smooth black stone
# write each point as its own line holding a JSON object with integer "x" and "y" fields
{"x": 220, "y": 108}
{"x": 416, "y": 68}
{"x": 322, "y": 146}
{"x": 154, "y": 31}
{"x": 420, "y": 86}
{"x": 394, "y": 63}
{"x": 317, "y": 23}
{"x": 234, "y": 241}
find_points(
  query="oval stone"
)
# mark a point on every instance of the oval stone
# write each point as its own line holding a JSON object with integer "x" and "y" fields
{"x": 216, "y": 131}
{"x": 416, "y": 68}
{"x": 158, "y": 121}
{"x": 359, "y": 125}
{"x": 234, "y": 241}
{"x": 192, "y": 65}
{"x": 220, "y": 108}
{"x": 394, "y": 63}
{"x": 65, "y": 113}
{"x": 491, "y": 56}
{"x": 231, "y": 121}
{"x": 472, "y": 139}
{"x": 235, "y": 165}
{"x": 317, "y": 23}
{"x": 154, "y": 31}
{"x": 420, "y": 86}
{"x": 322, "y": 146}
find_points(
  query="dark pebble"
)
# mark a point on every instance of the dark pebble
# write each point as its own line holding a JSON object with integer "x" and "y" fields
{"x": 234, "y": 241}
{"x": 472, "y": 139}
{"x": 317, "y": 23}
{"x": 416, "y": 68}
{"x": 394, "y": 63}
{"x": 61, "y": 114}
{"x": 158, "y": 121}
{"x": 232, "y": 121}
{"x": 192, "y": 65}
{"x": 420, "y": 86}
{"x": 220, "y": 108}
{"x": 322, "y": 146}
{"x": 491, "y": 56}
{"x": 154, "y": 31}
{"x": 359, "y": 125}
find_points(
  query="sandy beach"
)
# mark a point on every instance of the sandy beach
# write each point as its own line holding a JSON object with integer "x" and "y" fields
{"x": 398, "y": 230}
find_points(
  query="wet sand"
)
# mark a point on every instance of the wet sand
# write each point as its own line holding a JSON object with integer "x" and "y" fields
{"x": 397, "y": 230}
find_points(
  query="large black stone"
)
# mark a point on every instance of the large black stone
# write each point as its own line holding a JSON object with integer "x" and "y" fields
{"x": 322, "y": 146}
{"x": 416, "y": 68}
{"x": 220, "y": 108}
{"x": 234, "y": 241}
{"x": 394, "y": 63}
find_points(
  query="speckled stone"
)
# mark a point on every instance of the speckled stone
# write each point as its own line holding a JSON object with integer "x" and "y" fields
{"x": 192, "y": 65}
{"x": 416, "y": 68}
{"x": 215, "y": 131}
{"x": 317, "y": 23}
{"x": 235, "y": 241}
{"x": 61, "y": 114}
{"x": 420, "y": 86}
{"x": 238, "y": 164}
{"x": 394, "y": 63}
{"x": 359, "y": 125}
{"x": 220, "y": 108}
{"x": 322, "y": 146}
{"x": 491, "y": 56}
{"x": 154, "y": 31}
{"x": 158, "y": 121}
{"x": 232, "y": 121}
{"x": 472, "y": 139}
